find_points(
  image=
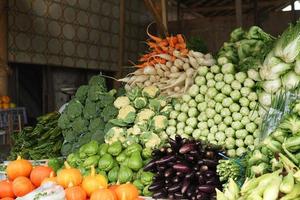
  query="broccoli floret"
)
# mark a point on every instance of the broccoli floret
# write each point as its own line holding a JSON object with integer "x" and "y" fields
{"x": 115, "y": 134}
{"x": 109, "y": 112}
{"x": 81, "y": 93}
{"x": 160, "y": 122}
{"x": 127, "y": 114}
{"x": 150, "y": 91}
{"x": 90, "y": 110}
{"x": 98, "y": 136}
{"x": 63, "y": 121}
{"x": 80, "y": 125}
{"x": 95, "y": 92}
{"x": 121, "y": 102}
{"x": 74, "y": 109}
{"x": 144, "y": 115}
{"x": 140, "y": 102}
{"x": 100, "y": 81}
{"x": 105, "y": 99}
{"x": 96, "y": 123}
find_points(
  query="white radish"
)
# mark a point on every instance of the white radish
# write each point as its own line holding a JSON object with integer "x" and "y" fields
{"x": 197, "y": 54}
{"x": 178, "y": 63}
{"x": 163, "y": 80}
{"x": 178, "y": 81}
{"x": 163, "y": 56}
{"x": 190, "y": 72}
{"x": 148, "y": 83}
{"x": 174, "y": 69}
{"x": 209, "y": 62}
{"x": 160, "y": 72}
{"x": 140, "y": 79}
{"x": 177, "y": 89}
{"x": 186, "y": 66}
{"x": 164, "y": 67}
{"x": 191, "y": 53}
{"x": 169, "y": 64}
{"x": 208, "y": 56}
{"x": 193, "y": 62}
{"x": 152, "y": 78}
{"x": 125, "y": 80}
{"x": 166, "y": 74}
{"x": 157, "y": 77}
{"x": 176, "y": 75}
{"x": 200, "y": 60}
{"x": 176, "y": 53}
{"x": 188, "y": 83}
{"x": 149, "y": 70}
{"x": 127, "y": 87}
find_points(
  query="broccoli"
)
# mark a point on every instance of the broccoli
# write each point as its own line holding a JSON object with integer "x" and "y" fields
{"x": 144, "y": 115}
{"x": 140, "y": 102}
{"x": 63, "y": 121}
{"x": 80, "y": 125}
{"x": 121, "y": 102}
{"x": 95, "y": 92}
{"x": 150, "y": 91}
{"x": 98, "y": 135}
{"x": 115, "y": 134}
{"x": 90, "y": 110}
{"x": 81, "y": 93}
{"x": 99, "y": 81}
{"x": 96, "y": 123}
{"x": 109, "y": 112}
{"x": 127, "y": 114}
{"x": 105, "y": 99}
{"x": 74, "y": 109}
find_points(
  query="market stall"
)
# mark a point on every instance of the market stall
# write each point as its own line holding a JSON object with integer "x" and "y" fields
{"x": 184, "y": 124}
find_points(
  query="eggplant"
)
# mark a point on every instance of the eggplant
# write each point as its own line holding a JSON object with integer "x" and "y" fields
{"x": 150, "y": 165}
{"x": 178, "y": 195}
{"x": 176, "y": 179}
{"x": 212, "y": 181}
{"x": 185, "y": 185}
{"x": 179, "y": 174}
{"x": 190, "y": 191}
{"x": 178, "y": 139}
{"x": 201, "y": 196}
{"x": 209, "y": 174}
{"x": 180, "y": 167}
{"x": 165, "y": 160}
{"x": 210, "y": 163}
{"x": 201, "y": 180}
{"x": 189, "y": 175}
{"x": 209, "y": 154}
{"x": 156, "y": 186}
{"x": 158, "y": 195}
{"x": 174, "y": 188}
{"x": 161, "y": 168}
{"x": 171, "y": 196}
{"x": 187, "y": 148}
{"x": 206, "y": 188}
{"x": 169, "y": 172}
{"x": 203, "y": 168}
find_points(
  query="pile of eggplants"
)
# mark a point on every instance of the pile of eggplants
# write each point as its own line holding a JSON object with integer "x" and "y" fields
{"x": 185, "y": 169}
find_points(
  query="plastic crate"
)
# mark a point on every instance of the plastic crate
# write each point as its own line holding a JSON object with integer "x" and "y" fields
{"x": 13, "y": 114}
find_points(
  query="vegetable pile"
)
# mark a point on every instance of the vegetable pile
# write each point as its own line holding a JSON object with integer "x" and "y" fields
{"x": 186, "y": 169}
{"x": 281, "y": 67}
{"x": 170, "y": 66}
{"x": 118, "y": 164}
{"x": 220, "y": 107}
{"x": 87, "y": 115}
{"x": 40, "y": 142}
{"x": 141, "y": 118}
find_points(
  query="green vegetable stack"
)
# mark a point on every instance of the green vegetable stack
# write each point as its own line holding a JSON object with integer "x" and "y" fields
{"x": 87, "y": 115}
{"x": 142, "y": 118}
{"x": 118, "y": 164}
{"x": 281, "y": 67}
{"x": 40, "y": 142}
{"x": 220, "y": 107}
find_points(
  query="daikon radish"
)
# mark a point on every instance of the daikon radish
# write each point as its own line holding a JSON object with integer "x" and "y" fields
{"x": 166, "y": 74}
{"x": 209, "y": 62}
{"x": 197, "y": 54}
{"x": 127, "y": 87}
{"x": 149, "y": 70}
{"x": 160, "y": 72}
{"x": 175, "y": 75}
{"x": 178, "y": 63}
{"x": 152, "y": 78}
{"x": 178, "y": 81}
{"x": 190, "y": 72}
{"x": 168, "y": 64}
{"x": 188, "y": 83}
{"x": 186, "y": 66}
{"x": 140, "y": 79}
{"x": 193, "y": 62}
{"x": 148, "y": 83}
{"x": 164, "y": 67}
{"x": 164, "y": 56}
{"x": 174, "y": 69}
{"x": 208, "y": 56}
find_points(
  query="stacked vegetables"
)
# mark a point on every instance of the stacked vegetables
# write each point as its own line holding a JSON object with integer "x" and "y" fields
{"x": 40, "y": 142}
{"x": 141, "y": 118}
{"x": 87, "y": 115}
{"x": 221, "y": 108}
{"x": 184, "y": 170}
{"x": 281, "y": 68}
{"x": 118, "y": 164}
{"x": 170, "y": 66}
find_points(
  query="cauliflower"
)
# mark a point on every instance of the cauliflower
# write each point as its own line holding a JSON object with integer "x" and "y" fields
{"x": 145, "y": 115}
{"x": 121, "y": 102}
{"x": 115, "y": 134}
{"x": 135, "y": 130}
{"x": 160, "y": 122}
{"x": 151, "y": 140}
{"x": 127, "y": 114}
{"x": 140, "y": 102}
{"x": 150, "y": 91}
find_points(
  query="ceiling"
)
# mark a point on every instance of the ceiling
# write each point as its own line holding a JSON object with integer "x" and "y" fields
{"x": 212, "y": 8}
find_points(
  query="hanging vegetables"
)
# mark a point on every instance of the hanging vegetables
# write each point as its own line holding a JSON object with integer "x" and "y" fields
{"x": 169, "y": 66}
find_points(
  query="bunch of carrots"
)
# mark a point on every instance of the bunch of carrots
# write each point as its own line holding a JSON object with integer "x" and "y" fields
{"x": 169, "y": 65}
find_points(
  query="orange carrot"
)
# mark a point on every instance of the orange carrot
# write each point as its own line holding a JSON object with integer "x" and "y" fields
{"x": 155, "y": 38}
{"x": 180, "y": 38}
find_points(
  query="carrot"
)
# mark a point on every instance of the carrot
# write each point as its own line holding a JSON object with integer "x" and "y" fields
{"x": 180, "y": 46}
{"x": 184, "y": 52}
{"x": 180, "y": 38}
{"x": 155, "y": 38}
{"x": 163, "y": 43}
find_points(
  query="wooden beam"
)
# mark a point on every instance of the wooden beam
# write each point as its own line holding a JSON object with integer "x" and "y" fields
{"x": 121, "y": 43}
{"x": 164, "y": 13}
{"x": 232, "y": 7}
{"x": 293, "y": 13}
{"x": 238, "y": 13}
{"x": 255, "y": 12}
{"x": 3, "y": 47}
{"x": 156, "y": 11}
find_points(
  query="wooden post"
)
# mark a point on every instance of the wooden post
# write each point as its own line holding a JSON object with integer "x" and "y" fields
{"x": 121, "y": 42}
{"x": 164, "y": 13}
{"x": 3, "y": 47}
{"x": 255, "y": 13}
{"x": 238, "y": 13}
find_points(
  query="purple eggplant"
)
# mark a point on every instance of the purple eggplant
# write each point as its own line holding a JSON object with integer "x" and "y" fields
{"x": 178, "y": 195}
{"x": 161, "y": 168}
{"x": 210, "y": 163}
{"x": 187, "y": 148}
{"x": 209, "y": 174}
{"x": 201, "y": 180}
{"x": 206, "y": 188}
{"x": 190, "y": 191}
{"x": 150, "y": 165}
{"x": 212, "y": 181}
{"x": 185, "y": 185}
{"x": 179, "y": 174}
{"x": 159, "y": 195}
{"x": 180, "y": 167}
{"x": 174, "y": 188}
{"x": 203, "y": 168}
{"x": 169, "y": 172}
{"x": 176, "y": 179}
{"x": 165, "y": 160}
{"x": 156, "y": 186}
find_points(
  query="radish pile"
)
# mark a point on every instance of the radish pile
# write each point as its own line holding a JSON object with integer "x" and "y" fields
{"x": 170, "y": 66}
